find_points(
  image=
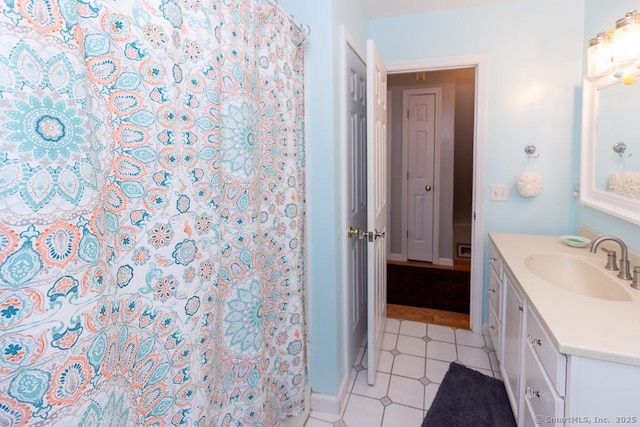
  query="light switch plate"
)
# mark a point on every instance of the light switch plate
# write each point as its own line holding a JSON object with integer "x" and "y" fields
{"x": 500, "y": 193}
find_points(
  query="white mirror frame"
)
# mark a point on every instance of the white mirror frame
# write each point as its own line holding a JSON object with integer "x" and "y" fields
{"x": 613, "y": 204}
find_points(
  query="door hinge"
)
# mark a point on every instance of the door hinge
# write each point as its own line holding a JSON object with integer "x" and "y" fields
{"x": 408, "y": 114}
{"x": 407, "y": 234}
{"x": 407, "y": 175}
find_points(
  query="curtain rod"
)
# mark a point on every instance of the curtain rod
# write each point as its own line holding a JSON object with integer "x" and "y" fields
{"x": 306, "y": 30}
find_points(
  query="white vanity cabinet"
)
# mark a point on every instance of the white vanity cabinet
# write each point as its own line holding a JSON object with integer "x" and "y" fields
{"x": 547, "y": 387}
{"x": 513, "y": 322}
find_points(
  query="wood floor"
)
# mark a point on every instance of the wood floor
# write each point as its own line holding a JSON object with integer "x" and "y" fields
{"x": 428, "y": 315}
{"x": 458, "y": 265}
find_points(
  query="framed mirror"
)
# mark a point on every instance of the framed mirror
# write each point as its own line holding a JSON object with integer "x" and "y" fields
{"x": 610, "y": 159}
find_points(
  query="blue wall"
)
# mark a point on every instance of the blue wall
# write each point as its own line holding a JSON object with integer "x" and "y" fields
{"x": 535, "y": 72}
{"x": 536, "y": 54}
{"x": 535, "y": 51}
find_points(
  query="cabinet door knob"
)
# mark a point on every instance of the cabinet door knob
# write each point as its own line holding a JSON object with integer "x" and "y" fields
{"x": 531, "y": 393}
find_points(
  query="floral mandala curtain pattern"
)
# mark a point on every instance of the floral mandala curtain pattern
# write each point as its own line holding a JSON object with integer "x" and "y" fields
{"x": 152, "y": 213}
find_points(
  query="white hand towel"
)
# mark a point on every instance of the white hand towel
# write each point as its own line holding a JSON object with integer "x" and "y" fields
{"x": 529, "y": 184}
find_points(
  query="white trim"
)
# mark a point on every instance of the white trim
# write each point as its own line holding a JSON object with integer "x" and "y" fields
{"x": 437, "y": 150}
{"x": 434, "y": 64}
{"x": 445, "y": 261}
{"x": 349, "y": 40}
{"x": 329, "y": 403}
{"x": 396, "y": 257}
{"x": 606, "y": 201}
{"x": 389, "y": 151}
{"x": 343, "y": 168}
{"x": 404, "y": 219}
{"x": 480, "y": 62}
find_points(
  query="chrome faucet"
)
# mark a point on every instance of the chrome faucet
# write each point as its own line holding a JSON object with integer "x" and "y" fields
{"x": 624, "y": 255}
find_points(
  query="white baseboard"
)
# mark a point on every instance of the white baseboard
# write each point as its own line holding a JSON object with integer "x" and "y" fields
{"x": 445, "y": 261}
{"x": 441, "y": 261}
{"x": 329, "y": 403}
{"x": 485, "y": 329}
{"x": 396, "y": 257}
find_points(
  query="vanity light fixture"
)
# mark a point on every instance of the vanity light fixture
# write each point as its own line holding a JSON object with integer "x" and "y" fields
{"x": 626, "y": 38}
{"x": 617, "y": 48}
{"x": 600, "y": 54}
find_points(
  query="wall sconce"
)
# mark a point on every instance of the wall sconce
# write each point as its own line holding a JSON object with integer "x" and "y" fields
{"x": 617, "y": 48}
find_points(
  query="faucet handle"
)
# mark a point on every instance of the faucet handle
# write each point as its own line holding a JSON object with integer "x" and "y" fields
{"x": 611, "y": 260}
{"x": 635, "y": 284}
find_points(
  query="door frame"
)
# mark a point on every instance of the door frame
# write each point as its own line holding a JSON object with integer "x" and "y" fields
{"x": 480, "y": 62}
{"x": 435, "y": 250}
{"x": 335, "y": 403}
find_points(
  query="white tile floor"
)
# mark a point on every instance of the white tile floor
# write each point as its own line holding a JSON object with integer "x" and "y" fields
{"x": 414, "y": 359}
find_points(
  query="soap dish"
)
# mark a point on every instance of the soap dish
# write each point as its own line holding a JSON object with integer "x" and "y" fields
{"x": 575, "y": 241}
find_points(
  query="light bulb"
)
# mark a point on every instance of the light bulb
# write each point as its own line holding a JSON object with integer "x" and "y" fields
{"x": 626, "y": 39}
{"x": 600, "y": 54}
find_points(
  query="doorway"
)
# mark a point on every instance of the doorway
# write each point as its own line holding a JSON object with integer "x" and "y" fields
{"x": 431, "y": 152}
{"x": 432, "y": 179}
{"x": 465, "y": 239}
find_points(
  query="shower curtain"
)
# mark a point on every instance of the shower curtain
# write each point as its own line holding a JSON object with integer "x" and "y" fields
{"x": 152, "y": 213}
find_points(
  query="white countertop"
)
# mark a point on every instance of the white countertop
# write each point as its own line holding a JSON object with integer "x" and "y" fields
{"x": 579, "y": 325}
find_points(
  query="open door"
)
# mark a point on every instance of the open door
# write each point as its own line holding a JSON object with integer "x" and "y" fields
{"x": 376, "y": 207}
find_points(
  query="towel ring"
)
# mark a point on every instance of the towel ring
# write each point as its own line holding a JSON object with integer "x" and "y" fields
{"x": 619, "y": 148}
{"x": 530, "y": 149}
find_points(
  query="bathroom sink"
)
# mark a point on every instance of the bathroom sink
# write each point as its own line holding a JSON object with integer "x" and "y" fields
{"x": 576, "y": 275}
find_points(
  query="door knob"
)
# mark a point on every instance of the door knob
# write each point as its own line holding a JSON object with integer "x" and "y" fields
{"x": 379, "y": 234}
{"x": 353, "y": 232}
{"x": 427, "y": 187}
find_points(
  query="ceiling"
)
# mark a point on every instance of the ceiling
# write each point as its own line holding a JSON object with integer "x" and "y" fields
{"x": 385, "y": 8}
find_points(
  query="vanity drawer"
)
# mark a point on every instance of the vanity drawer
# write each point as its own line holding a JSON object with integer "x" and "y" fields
{"x": 529, "y": 417}
{"x": 494, "y": 332}
{"x": 495, "y": 261}
{"x": 539, "y": 394}
{"x": 553, "y": 362}
{"x": 495, "y": 291}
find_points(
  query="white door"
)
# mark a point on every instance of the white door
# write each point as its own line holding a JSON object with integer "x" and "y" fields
{"x": 376, "y": 206}
{"x": 357, "y": 201}
{"x": 421, "y": 138}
